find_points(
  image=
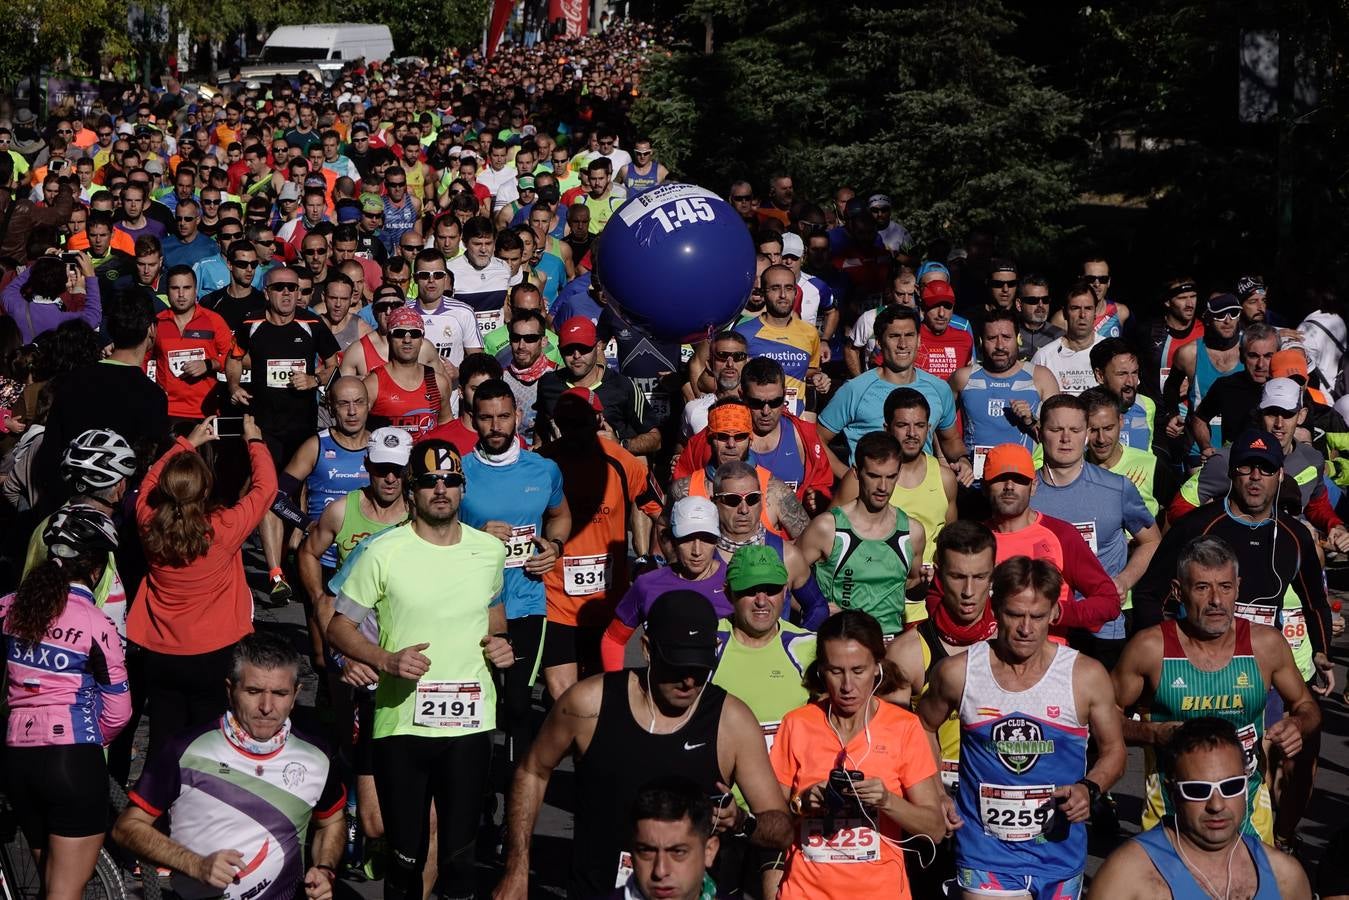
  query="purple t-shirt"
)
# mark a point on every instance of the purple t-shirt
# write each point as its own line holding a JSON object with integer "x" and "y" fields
{"x": 636, "y": 603}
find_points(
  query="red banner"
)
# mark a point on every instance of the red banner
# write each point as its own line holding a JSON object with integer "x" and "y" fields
{"x": 501, "y": 14}
{"x": 577, "y": 14}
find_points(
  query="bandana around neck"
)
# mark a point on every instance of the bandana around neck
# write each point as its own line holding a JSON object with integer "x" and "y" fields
{"x": 235, "y": 733}
{"x": 956, "y": 634}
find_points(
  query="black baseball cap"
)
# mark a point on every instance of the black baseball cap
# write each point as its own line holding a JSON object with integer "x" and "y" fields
{"x": 1255, "y": 445}
{"x": 682, "y": 630}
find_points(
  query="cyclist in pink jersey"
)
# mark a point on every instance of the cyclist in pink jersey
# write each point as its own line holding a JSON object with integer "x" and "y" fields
{"x": 67, "y": 698}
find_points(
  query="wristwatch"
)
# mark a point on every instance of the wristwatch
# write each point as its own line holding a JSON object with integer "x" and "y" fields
{"x": 1093, "y": 789}
{"x": 747, "y": 827}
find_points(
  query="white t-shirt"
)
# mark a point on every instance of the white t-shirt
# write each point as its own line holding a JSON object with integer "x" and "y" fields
{"x": 451, "y": 327}
{"x": 863, "y": 334}
{"x": 1072, "y": 368}
{"x": 501, "y": 184}
{"x": 618, "y": 158}
{"x": 695, "y": 414}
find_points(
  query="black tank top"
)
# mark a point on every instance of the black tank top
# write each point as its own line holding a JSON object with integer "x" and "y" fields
{"x": 621, "y": 759}
{"x": 927, "y": 630}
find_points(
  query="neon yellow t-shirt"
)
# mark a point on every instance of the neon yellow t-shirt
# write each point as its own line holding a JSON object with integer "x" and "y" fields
{"x": 423, "y": 593}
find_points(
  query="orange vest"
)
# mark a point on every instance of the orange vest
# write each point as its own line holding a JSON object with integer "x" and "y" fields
{"x": 698, "y": 488}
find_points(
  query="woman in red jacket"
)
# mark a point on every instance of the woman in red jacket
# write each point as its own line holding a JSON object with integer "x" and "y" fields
{"x": 195, "y": 602}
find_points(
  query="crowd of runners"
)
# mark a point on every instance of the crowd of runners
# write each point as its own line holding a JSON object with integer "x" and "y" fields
{"x": 866, "y": 594}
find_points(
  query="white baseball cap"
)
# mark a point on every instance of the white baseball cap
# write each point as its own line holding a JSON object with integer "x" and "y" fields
{"x": 792, "y": 245}
{"x": 1281, "y": 393}
{"x": 389, "y": 446}
{"x": 694, "y": 515}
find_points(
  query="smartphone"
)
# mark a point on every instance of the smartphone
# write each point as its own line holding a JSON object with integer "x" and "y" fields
{"x": 719, "y": 800}
{"x": 70, "y": 259}
{"x": 57, "y": 166}
{"x": 229, "y": 426}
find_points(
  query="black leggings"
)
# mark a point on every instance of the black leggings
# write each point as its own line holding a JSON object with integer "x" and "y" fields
{"x": 183, "y": 691}
{"x": 58, "y": 790}
{"x": 527, "y": 639}
{"x": 409, "y": 772}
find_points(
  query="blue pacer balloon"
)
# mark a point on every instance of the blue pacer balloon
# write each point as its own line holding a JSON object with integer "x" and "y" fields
{"x": 676, "y": 262}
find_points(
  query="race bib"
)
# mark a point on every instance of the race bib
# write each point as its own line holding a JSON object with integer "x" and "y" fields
{"x": 449, "y": 704}
{"x": 980, "y": 458}
{"x": 279, "y": 371}
{"x": 520, "y": 546}
{"x": 1250, "y": 744}
{"x": 793, "y": 396}
{"x": 178, "y": 359}
{"x": 770, "y": 733}
{"x": 151, "y": 368}
{"x": 1260, "y": 615}
{"x": 950, "y": 774}
{"x": 611, "y": 350}
{"x": 488, "y": 321}
{"x": 659, "y": 401}
{"x": 624, "y": 868}
{"x": 851, "y": 841}
{"x": 1295, "y": 627}
{"x": 585, "y": 575}
{"x": 1088, "y": 532}
{"x": 1016, "y": 813}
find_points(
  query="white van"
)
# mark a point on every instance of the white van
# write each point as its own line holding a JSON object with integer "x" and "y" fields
{"x": 291, "y": 49}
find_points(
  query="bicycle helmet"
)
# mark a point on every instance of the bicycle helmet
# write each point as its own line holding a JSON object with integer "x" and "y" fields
{"x": 76, "y": 529}
{"x": 97, "y": 459}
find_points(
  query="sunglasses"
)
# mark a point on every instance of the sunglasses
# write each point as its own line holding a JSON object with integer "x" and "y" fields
{"x": 434, "y": 274}
{"x": 741, "y": 198}
{"x": 1033, "y": 301}
{"x": 1199, "y": 791}
{"x": 65, "y": 131}
{"x": 394, "y": 184}
{"x": 774, "y": 403}
{"x": 733, "y": 501}
{"x": 1096, "y": 279}
{"x": 402, "y": 333}
{"x": 723, "y": 356}
{"x": 575, "y": 350}
{"x": 1225, "y": 317}
{"x": 306, "y": 292}
{"x": 428, "y": 480}
{"x": 383, "y": 309}
{"x": 409, "y": 248}
{"x": 214, "y": 201}
{"x": 1002, "y": 284}
{"x": 526, "y": 338}
{"x": 245, "y": 264}
{"x": 184, "y": 218}
{"x": 383, "y": 470}
{"x": 284, "y": 286}
{"x": 729, "y": 437}
{"x": 1266, "y": 469}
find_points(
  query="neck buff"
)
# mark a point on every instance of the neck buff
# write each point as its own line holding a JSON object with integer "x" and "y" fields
{"x": 1213, "y": 341}
{"x": 730, "y": 546}
{"x": 236, "y": 735}
{"x": 500, "y": 460}
{"x": 955, "y": 634}
{"x": 534, "y": 372}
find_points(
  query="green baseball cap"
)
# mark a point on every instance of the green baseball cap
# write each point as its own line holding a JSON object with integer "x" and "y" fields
{"x": 754, "y": 565}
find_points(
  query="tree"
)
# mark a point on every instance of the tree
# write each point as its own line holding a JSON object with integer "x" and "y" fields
{"x": 928, "y": 102}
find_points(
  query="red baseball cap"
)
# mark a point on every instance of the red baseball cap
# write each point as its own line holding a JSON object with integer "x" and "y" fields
{"x": 578, "y": 330}
{"x": 585, "y": 393}
{"x": 1008, "y": 460}
{"x": 935, "y": 293}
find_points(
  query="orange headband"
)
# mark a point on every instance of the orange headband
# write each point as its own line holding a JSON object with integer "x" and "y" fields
{"x": 731, "y": 418}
